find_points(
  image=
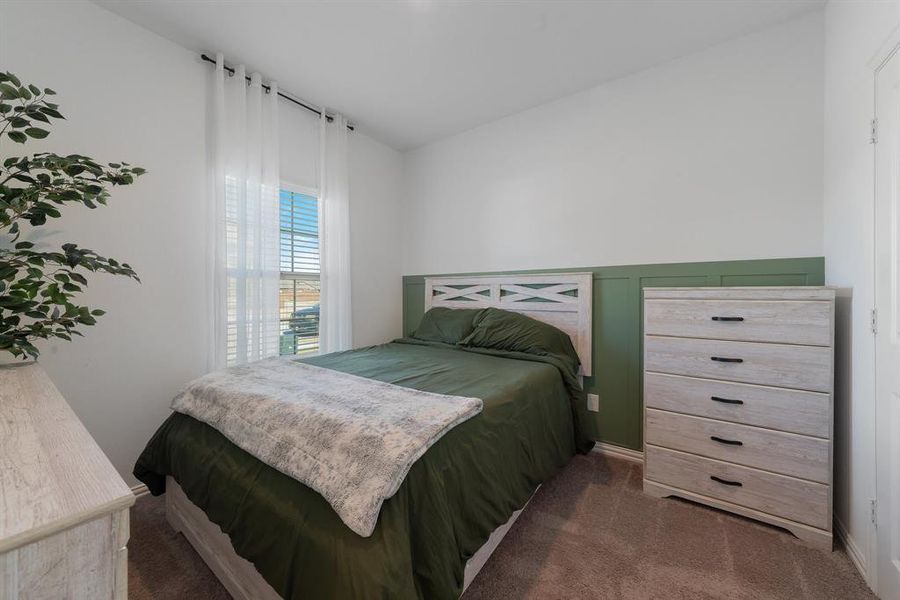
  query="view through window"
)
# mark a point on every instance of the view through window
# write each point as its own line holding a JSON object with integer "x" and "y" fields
{"x": 299, "y": 292}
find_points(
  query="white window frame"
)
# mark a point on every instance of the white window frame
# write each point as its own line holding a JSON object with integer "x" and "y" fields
{"x": 306, "y": 191}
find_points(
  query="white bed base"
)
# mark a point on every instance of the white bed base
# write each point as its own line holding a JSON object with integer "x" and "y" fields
{"x": 239, "y": 576}
{"x": 560, "y": 299}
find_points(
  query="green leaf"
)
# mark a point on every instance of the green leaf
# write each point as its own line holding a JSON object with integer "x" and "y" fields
{"x": 17, "y": 136}
{"x": 37, "y": 133}
{"x": 51, "y": 112}
{"x": 23, "y": 177}
{"x": 8, "y": 91}
{"x": 39, "y": 116}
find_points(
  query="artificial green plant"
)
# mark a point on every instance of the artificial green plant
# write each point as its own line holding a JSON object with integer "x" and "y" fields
{"x": 39, "y": 287}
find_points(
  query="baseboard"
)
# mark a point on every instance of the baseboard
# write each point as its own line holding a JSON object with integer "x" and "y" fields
{"x": 140, "y": 490}
{"x": 619, "y": 452}
{"x": 856, "y": 557}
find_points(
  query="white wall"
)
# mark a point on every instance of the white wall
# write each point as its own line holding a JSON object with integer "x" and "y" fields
{"x": 854, "y": 35}
{"x": 376, "y": 240}
{"x": 131, "y": 95}
{"x": 714, "y": 156}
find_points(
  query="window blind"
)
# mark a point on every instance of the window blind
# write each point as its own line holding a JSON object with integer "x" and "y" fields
{"x": 299, "y": 233}
{"x": 300, "y": 270}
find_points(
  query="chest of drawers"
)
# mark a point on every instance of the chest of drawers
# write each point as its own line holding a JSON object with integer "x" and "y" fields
{"x": 738, "y": 402}
{"x": 63, "y": 507}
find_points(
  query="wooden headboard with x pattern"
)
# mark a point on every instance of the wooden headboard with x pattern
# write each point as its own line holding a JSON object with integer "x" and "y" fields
{"x": 560, "y": 299}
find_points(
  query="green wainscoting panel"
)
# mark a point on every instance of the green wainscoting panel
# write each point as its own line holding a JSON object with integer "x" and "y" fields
{"x": 618, "y": 314}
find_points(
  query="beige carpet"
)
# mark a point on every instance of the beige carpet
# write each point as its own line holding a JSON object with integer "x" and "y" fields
{"x": 588, "y": 533}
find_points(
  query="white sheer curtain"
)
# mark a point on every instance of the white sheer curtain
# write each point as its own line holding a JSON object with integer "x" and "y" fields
{"x": 244, "y": 215}
{"x": 335, "y": 325}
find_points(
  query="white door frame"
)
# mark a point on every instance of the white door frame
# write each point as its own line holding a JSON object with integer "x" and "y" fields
{"x": 890, "y": 51}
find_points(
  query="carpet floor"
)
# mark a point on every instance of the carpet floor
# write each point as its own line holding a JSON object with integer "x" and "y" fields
{"x": 588, "y": 533}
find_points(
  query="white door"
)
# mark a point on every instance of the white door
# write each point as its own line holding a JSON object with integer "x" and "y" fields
{"x": 887, "y": 339}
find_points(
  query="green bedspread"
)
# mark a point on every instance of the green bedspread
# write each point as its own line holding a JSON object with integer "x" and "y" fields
{"x": 465, "y": 486}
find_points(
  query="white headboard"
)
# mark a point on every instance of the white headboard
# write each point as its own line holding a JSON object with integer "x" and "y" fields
{"x": 560, "y": 299}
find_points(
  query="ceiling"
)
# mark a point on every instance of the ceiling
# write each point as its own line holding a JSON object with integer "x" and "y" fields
{"x": 409, "y": 72}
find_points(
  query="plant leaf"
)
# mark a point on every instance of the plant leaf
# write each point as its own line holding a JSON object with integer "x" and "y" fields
{"x": 37, "y": 132}
{"x": 50, "y": 112}
{"x": 8, "y": 91}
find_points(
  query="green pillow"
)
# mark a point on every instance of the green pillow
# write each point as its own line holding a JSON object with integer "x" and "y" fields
{"x": 504, "y": 330}
{"x": 448, "y": 325}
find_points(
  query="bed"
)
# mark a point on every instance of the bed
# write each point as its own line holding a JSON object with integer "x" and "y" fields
{"x": 266, "y": 535}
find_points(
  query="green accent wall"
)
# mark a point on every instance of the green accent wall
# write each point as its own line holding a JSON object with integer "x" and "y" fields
{"x": 617, "y": 347}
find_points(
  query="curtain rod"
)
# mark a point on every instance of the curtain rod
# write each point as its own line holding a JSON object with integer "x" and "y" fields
{"x": 283, "y": 95}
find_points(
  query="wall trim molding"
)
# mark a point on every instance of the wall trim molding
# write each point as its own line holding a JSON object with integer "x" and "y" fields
{"x": 856, "y": 556}
{"x": 139, "y": 490}
{"x": 615, "y": 451}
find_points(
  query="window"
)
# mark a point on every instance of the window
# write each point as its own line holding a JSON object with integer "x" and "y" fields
{"x": 299, "y": 290}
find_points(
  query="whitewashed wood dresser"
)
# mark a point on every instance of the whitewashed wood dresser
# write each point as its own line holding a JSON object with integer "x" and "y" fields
{"x": 738, "y": 402}
{"x": 63, "y": 507}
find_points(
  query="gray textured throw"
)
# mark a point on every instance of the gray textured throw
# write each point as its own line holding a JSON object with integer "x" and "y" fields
{"x": 351, "y": 439}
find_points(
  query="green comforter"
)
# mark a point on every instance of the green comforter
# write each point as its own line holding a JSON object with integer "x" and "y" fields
{"x": 464, "y": 487}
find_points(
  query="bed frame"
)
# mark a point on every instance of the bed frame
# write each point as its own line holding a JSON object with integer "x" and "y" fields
{"x": 560, "y": 299}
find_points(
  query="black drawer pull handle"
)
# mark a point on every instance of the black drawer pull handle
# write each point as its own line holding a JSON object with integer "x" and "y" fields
{"x": 725, "y": 481}
{"x": 728, "y": 318}
{"x": 724, "y": 441}
{"x": 725, "y": 359}
{"x": 725, "y": 400}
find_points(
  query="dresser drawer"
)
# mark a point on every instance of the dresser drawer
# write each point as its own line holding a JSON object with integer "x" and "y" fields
{"x": 801, "y": 501}
{"x": 779, "y": 365}
{"x": 742, "y": 320}
{"x": 785, "y": 453}
{"x": 794, "y": 411}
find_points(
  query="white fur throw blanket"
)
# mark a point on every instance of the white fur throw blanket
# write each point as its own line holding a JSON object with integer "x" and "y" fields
{"x": 351, "y": 439}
